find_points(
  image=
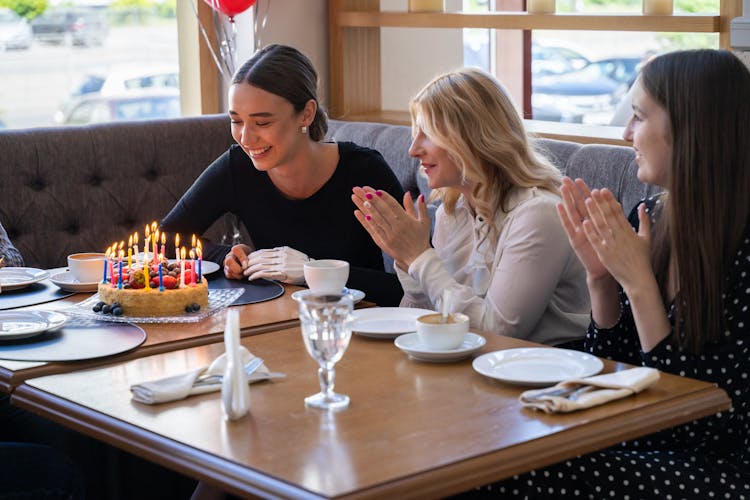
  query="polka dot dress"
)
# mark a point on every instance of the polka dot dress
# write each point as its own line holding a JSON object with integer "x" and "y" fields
{"x": 704, "y": 459}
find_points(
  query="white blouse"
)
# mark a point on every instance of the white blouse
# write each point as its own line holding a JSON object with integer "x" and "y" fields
{"x": 527, "y": 284}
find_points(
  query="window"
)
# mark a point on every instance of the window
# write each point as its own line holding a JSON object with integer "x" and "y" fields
{"x": 81, "y": 49}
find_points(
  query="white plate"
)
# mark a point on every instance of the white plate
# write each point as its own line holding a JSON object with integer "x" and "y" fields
{"x": 537, "y": 366}
{"x": 67, "y": 282}
{"x": 357, "y": 295}
{"x": 412, "y": 346}
{"x": 13, "y": 278}
{"x": 386, "y": 322}
{"x": 22, "y": 324}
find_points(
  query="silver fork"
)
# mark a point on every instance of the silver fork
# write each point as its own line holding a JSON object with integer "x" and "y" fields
{"x": 571, "y": 392}
{"x": 249, "y": 369}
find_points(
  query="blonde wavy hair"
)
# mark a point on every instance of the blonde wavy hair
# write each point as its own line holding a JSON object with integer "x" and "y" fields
{"x": 469, "y": 114}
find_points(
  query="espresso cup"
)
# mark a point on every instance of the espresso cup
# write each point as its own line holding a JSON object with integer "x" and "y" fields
{"x": 87, "y": 267}
{"x": 326, "y": 275}
{"x": 442, "y": 334}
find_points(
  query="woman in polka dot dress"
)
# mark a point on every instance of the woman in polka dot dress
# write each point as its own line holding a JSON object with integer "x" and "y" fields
{"x": 674, "y": 293}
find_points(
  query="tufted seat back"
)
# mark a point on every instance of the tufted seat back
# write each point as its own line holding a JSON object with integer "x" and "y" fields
{"x": 73, "y": 189}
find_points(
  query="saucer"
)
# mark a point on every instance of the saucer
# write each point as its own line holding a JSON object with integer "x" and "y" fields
{"x": 357, "y": 295}
{"x": 386, "y": 322}
{"x": 67, "y": 282}
{"x": 412, "y": 346}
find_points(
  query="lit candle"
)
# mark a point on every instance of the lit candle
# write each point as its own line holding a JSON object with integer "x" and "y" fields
{"x": 130, "y": 253}
{"x": 146, "y": 241}
{"x": 146, "y": 275}
{"x": 182, "y": 267}
{"x": 119, "y": 278}
{"x": 177, "y": 246}
{"x": 156, "y": 243}
{"x": 657, "y": 7}
{"x": 192, "y": 267}
{"x": 161, "y": 282}
{"x": 135, "y": 246}
{"x": 199, "y": 250}
{"x": 540, "y": 6}
{"x": 163, "y": 244}
{"x": 106, "y": 260}
{"x": 112, "y": 269}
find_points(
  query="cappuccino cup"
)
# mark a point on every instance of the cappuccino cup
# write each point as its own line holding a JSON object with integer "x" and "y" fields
{"x": 442, "y": 334}
{"x": 87, "y": 267}
{"x": 326, "y": 276}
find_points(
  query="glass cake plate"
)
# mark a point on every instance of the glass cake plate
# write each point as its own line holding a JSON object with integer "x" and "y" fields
{"x": 217, "y": 300}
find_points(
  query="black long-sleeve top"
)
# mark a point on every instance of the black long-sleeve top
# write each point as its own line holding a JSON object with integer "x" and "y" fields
{"x": 322, "y": 226}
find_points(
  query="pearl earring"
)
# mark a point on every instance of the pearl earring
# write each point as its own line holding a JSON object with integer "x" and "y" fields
{"x": 303, "y": 129}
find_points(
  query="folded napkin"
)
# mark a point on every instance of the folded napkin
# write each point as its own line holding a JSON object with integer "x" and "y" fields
{"x": 577, "y": 394}
{"x": 188, "y": 384}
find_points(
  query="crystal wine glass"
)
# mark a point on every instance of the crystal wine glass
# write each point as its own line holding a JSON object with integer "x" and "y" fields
{"x": 326, "y": 330}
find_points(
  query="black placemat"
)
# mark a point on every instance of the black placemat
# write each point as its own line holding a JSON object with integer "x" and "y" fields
{"x": 255, "y": 291}
{"x": 38, "y": 293}
{"x": 78, "y": 339}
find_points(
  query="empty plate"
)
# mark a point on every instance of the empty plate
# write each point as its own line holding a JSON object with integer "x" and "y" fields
{"x": 386, "y": 322}
{"x": 16, "y": 325}
{"x": 412, "y": 346}
{"x": 14, "y": 278}
{"x": 537, "y": 366}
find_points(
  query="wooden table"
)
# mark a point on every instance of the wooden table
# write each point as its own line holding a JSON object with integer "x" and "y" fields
{"x": 254, "y": 318}
{"x": 412, "y": 430}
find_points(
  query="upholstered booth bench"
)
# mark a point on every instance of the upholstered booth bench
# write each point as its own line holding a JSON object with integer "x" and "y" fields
{"x": 66, "y": 190}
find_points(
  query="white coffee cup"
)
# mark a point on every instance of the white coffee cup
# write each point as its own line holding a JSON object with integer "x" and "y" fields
{"x": 441, "y": 335}
{"x": 326, "y": 275}
{"x": 87, "y": 267}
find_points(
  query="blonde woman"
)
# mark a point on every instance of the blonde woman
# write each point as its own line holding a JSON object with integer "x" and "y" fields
{"x": 498, "y": 244}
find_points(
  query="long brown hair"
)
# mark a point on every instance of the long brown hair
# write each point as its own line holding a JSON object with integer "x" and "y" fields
{"x": 288, "y": 73}
{"x": 705, "y": 211}
{"x": 468, "y": 113}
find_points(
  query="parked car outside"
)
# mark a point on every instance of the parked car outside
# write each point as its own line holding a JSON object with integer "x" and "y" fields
{"x": 586, "y": 92}
{"x": 83, "y": 27}
{"x": 121, "y": 78}
{"x": 620, "y": 69}
{"x": 551, "y": 57}
{"x": 15, "y": 31}
{"x": 145, "y": 104}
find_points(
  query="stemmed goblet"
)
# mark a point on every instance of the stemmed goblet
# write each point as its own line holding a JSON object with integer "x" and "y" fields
{"x": 326, "y": 330}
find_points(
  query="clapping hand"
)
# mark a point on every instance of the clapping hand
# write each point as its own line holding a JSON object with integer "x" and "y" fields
{"x": 573, "y": 213}
{"x": 625, "y": 253}
{"x": 401, "y": 232}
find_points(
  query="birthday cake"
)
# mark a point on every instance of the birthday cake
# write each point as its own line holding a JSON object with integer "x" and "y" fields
{"x": 144, "y": 288}
{"x": 169, "y": 299}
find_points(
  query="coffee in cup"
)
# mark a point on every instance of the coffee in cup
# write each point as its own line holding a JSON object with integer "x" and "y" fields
{"x": 87, "y": 267}
{"x": 326, "y": 275}
{"x": 442, "y": 334}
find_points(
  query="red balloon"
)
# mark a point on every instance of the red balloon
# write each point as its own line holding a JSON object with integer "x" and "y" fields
{"x": 230, "y": 7}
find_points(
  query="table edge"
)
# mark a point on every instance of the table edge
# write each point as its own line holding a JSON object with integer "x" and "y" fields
{"x": 462, "y": 476}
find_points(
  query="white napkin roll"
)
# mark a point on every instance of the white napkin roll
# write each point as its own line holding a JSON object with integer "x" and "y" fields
{"x": 235, "y": 393}
{"x": 590, "y": 391}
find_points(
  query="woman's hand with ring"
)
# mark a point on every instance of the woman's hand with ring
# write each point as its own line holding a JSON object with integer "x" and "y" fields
{"x": 401, "y": 232}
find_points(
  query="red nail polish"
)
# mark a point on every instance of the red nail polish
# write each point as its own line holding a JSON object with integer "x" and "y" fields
{"x": 379, "y": 192}
{"x": 368, "y": 196}
{"x": 367, "y": 217}
{"x": 421, "y": 198}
